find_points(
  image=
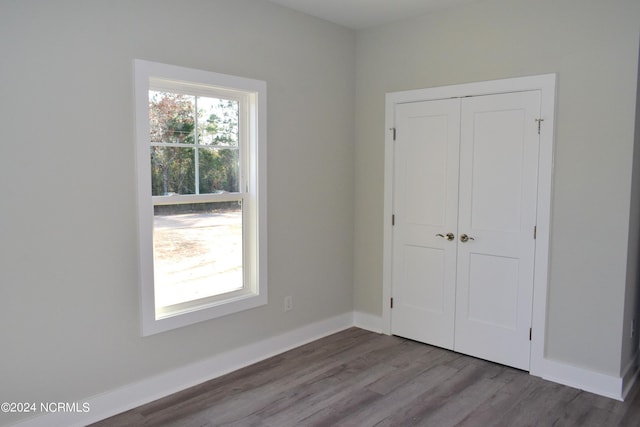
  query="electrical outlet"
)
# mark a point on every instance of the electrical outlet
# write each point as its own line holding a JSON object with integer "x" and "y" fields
{"x": 288, "y": 303}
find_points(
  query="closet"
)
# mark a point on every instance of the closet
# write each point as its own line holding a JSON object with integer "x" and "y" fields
{"x": 464, "y": 211}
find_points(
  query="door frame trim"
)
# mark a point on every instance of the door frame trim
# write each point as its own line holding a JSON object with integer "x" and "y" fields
{"x": 546, "y": 84}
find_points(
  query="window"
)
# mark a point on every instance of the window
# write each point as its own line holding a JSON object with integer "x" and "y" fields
{"x": 201, "y": 157}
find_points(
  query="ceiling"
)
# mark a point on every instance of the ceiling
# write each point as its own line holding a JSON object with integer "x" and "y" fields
{"x": 359, "y": 14}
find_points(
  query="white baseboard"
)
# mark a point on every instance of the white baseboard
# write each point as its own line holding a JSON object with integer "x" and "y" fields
{"x": 367, "y": 321}
{"x": 583, "y": 379}
{"x": 133, "y": 395}
{"x": 630, "y": 375}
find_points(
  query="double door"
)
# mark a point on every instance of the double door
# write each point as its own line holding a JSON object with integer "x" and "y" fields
{"x": 464, "y": 202}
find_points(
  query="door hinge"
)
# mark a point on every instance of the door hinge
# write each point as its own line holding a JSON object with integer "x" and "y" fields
{"x": 530, "y": 334}
{"x": 394, "y": 133}
{"x": 390, "y": 302}
{"x": 535, "y": 231}
{"x": 539, "y": 124}
{"x": 393, "y": 220}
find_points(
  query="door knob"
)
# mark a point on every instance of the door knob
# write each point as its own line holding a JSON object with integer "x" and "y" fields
{"x": 465, "y": 238}
{"x": 448, "y": 236}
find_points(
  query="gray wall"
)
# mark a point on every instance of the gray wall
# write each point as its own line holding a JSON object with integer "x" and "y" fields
{"x": 631, "y": 319}
{"x": 593, "y": 46}
{"x": 69, "y": 316}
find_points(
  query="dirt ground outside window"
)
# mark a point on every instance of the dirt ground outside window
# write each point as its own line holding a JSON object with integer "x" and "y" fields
{"x": 197, "y": 255}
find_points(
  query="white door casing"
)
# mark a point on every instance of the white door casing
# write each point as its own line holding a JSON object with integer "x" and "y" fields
{"x": 544, "y": 87}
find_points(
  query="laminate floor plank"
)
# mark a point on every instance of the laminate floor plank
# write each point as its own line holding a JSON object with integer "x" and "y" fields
{"x": 403, "y": 375}
{"x": 632, "y": 415}
{"x": 502, "y": 402}
{"x": 265, "y": 386}
{"x": 331, "y": 391}
{"x": 328, "y": 382}
{"x": 538, "y": 404}
{"x": 399, "y": 402}
{"x": 240, "y": 392}
{"x": 359, "y": 378}
{"x": 427, "y": 404}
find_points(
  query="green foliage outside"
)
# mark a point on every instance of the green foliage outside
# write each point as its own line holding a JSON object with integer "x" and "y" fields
{"x": 208, "y": 139}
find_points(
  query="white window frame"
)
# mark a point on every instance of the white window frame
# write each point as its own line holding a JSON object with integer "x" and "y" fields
{"x": 253, "y": 138}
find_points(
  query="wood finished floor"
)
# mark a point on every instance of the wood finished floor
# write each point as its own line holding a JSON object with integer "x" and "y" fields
{"x": 359, "y": 378}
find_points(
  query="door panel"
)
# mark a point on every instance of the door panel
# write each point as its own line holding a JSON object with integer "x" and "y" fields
{"x": 497, "y": 202}
{"x": 425, "y": 204}
{"x": 496, "y": 180}
{"x": 490, "y": 276}
{"x": 424, "y": 275}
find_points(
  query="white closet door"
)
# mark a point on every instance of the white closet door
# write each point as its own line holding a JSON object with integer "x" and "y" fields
{"x": 497, "y": 210}
{"x": 425, "y": 204}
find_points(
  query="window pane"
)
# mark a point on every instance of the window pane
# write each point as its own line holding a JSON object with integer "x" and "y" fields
{"x": 172, "y": 171}
{"x": 171, "y": 117}
{"x": 197, "y": 251}
{"x": 217, "y": 122}
{"x": 219, "y": 171}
